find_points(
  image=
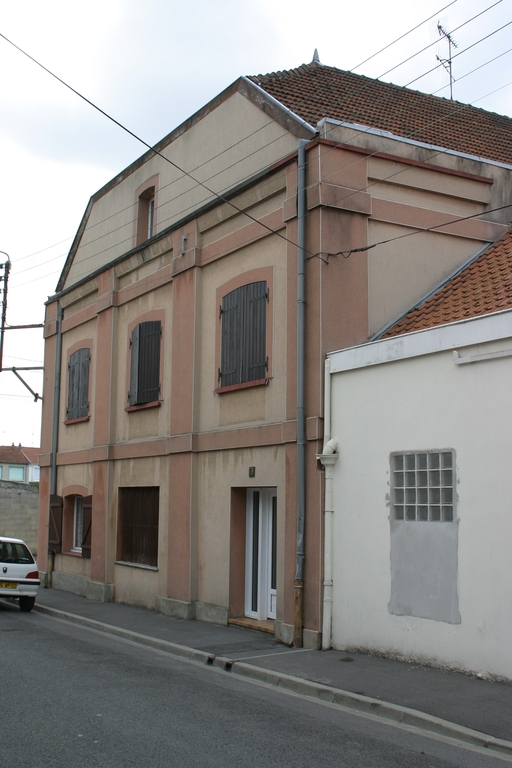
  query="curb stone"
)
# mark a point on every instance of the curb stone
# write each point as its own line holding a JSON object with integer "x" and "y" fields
{"x": 326, "y": 693}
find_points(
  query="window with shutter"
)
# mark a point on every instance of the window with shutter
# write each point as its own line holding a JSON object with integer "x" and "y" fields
{"x": 78, "y": 384}
{"x": 243, "y": 335}
{"x": 145, "y": 363}
{"x": 137, "y": 531}
{"x": 55, "y": 524}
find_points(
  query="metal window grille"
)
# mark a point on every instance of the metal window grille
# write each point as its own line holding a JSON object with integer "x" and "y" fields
{"x": 423, "y": 486}
{"x": 138, "y": 525}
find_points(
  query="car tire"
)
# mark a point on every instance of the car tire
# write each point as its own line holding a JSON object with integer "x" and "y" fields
{"x": 27, "y": 603}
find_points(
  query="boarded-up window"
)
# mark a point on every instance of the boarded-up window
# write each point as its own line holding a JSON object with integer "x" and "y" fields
{"x": 243, "y": 336}
{"x": 78, "y": 384}
{"x": 137, "y": 539}
{"x": 145, "y": 363}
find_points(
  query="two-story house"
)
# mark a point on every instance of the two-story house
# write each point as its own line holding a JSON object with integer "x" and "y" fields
{"x": 297, "y": 213}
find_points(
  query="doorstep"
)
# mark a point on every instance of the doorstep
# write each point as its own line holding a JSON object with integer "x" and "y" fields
{"x": 244, "y": 621}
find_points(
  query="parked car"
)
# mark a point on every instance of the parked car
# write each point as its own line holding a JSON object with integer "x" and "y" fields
{"x": 19, "y": 577}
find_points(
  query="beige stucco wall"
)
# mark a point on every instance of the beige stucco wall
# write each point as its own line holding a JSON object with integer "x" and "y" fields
{"x": 254, "y": 405}
{"x": 228, "y": 145}
{"x": 401, "y": 272}
{"x": 217, "y": 473}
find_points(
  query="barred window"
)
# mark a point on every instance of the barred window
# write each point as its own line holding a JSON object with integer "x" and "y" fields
{"x": 137, "y": 539}
{"x": 423, "y": 486}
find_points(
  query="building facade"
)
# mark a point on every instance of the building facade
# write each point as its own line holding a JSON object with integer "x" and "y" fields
{"x": 170, "y": 460}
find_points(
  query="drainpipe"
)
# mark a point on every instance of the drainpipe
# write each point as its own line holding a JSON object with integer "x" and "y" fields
{"x": 328, "y": 458}
{"x": 56, "y": 400}
{"x": 301, "y": 421}
{"x": 55, "y": 430}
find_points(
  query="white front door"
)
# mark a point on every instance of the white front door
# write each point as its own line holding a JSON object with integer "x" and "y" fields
{"x": 260, "y": 553}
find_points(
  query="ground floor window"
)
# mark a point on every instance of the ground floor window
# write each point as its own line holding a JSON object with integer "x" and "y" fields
{"x": 260, "y": 557}
{"x": 78, "y": 523}
{"x": 137, "y": 531}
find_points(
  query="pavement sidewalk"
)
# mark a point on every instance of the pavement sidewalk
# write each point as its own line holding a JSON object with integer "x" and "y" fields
{"x": 449, "y": 703}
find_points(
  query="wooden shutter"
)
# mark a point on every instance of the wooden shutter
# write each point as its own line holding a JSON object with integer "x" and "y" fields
{"x": 231, "y": 338}
{"x": 149, "y": 361}
{"x": 145, "y": 363}
{"x": 255, "y": 328}
{"x": 73, "y": 383}
{"x": 55, "y": 527}
{"x": 78, "y": 384}
{"x": 83, "y": 389}
{"x": 86, "y": 526}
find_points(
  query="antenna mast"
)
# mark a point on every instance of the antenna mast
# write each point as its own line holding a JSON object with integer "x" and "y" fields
{"x": 447, "y": 63}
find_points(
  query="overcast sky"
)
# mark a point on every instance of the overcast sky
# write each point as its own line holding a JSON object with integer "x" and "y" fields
{"x": 153, "y": 63}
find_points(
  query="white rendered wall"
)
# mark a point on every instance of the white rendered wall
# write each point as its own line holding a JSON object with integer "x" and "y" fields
{"x": 420, "y": 404}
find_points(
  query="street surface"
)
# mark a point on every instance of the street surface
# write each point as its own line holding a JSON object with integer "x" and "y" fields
{"x": 74, "y": 697}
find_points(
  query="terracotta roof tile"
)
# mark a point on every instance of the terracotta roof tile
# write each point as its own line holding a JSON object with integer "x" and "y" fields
{"x": 10, "y": 454}
{"x": 314, "y": 91}
{"x": 484, "y": 286}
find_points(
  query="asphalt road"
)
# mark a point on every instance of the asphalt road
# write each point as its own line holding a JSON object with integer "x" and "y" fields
{"x": 73, "y": 697}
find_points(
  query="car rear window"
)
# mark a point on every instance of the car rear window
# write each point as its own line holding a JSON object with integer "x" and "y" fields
{"x": 14, "y": 552}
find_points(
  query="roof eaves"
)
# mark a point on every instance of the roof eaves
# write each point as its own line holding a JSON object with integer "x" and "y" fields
{"x": 422, "y": 144}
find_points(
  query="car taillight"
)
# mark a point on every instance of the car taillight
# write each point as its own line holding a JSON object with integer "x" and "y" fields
{"x": 32, "y": 575}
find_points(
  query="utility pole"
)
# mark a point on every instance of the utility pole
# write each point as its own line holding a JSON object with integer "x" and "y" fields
{"x": 4, "y": 327}
{"x": 6, "y": 268}
{"x": 447, "y": 63}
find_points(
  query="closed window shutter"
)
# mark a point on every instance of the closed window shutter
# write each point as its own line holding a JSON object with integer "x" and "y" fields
{"x": 86, "y": 526}
{"x": 134, "y": 367}
{"x": 243, "y": 337}
{"x": 254, "y": 347}
{"x": 231, "y": 343}
{"x": 149, "y": 361}
{"x": 83, "y": 389}
{"x": 73, "y": 385}
{"x": 55, "y": 527}
{"x": 78, "y": 384}
{"x": 145, "y": 363}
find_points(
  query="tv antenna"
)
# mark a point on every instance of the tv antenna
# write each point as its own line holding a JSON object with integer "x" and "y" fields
{"x": 447, "y": 63}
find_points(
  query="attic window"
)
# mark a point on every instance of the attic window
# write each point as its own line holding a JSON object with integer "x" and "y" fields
{"x": 146, "y": 218}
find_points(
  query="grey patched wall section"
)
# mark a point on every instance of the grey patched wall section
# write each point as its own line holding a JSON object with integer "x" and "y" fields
{"x": 18, "y": 512}
{"x": 424, "y": 536}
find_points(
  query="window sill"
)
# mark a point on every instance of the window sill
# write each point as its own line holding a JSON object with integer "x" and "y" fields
{"x": 136, "y": 565}
{"x": 72, "y": 553}
{"x": 245, "y": 385}
{"x": 143, "y": 406}
{"x": 77, "y": 421}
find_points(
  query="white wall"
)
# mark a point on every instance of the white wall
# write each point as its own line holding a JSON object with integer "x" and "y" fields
{"x": 418, "y": 404}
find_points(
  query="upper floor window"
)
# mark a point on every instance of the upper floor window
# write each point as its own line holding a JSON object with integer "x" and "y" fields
{"x": 146, "y": 215}
{"x": 78, "y": 384}
{"x": 145, "y": 363}
{"x": 243, "y": 335}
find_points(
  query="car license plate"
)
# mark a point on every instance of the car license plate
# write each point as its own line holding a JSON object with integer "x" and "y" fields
{"x": 8, "y": 585}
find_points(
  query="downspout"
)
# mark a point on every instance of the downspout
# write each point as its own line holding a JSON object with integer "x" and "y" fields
{"x": 56, "y": 401}
{"x": 328, "y": 458}
{"x": 55, "y": 430}
{"x": 301, "y": 421}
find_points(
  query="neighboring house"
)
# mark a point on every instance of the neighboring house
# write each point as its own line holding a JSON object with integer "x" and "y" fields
{"x": 421, "y": 482}
{"x": 19, "y": 464}
{"x": 178, "y": 458}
